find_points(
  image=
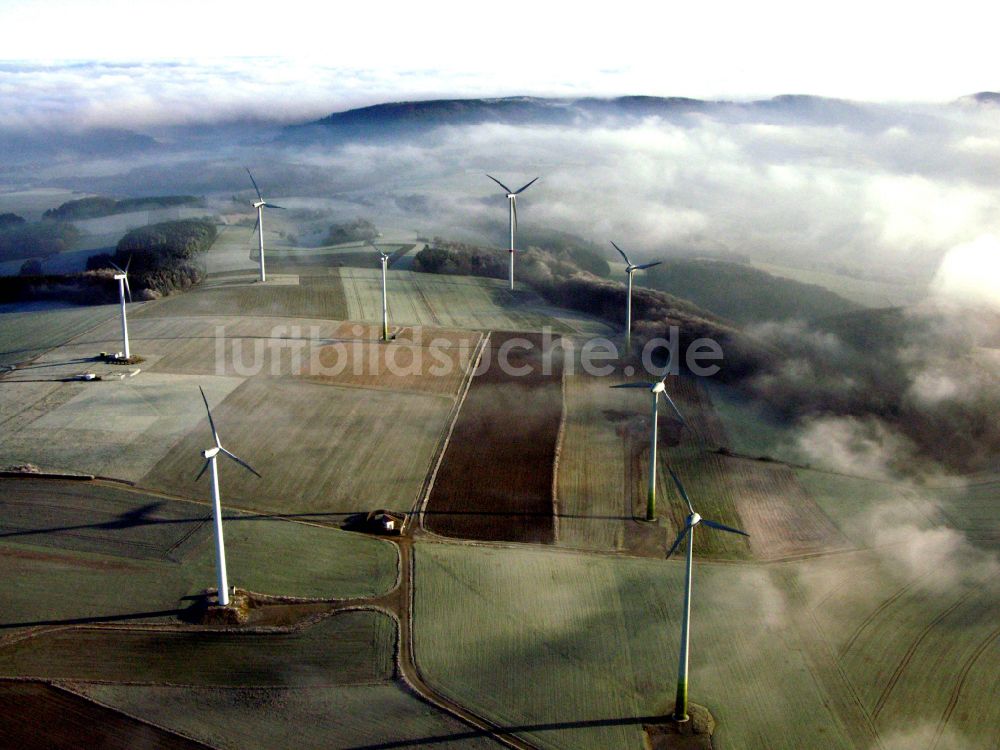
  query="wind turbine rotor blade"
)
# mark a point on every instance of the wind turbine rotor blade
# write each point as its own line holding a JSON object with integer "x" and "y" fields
{"x": 507, "y": 189}
{"x": 644, "y": 266}
{"x": 525, "y": 187}
{"x": 240, "y": 461}
{"x": 647, "y": 386}
{"x": 723, "y": 527}
{"x": 128, "y": 263}
{"x": 674, "y": 407}
{"x": 678, "y": 540}
{"x": 513, "y": 203}
{"x": 259, "y": 196}
{"x": 114, "y": 266}
{"x": 256, "y": 226}
{"x": 127, "y": 289}
{"x": 621, "y": 253}
{"x": 211, "y": 422}
{"x": 680, "y": 488}
{"x": 271, "y": 205}
{"x": 203, "y": 469}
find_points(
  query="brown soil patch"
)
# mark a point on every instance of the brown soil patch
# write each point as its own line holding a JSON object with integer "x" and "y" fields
{"x": 693, "y": 734}
{"x": 495, "y": 482}
{"x": 35, "y": 715}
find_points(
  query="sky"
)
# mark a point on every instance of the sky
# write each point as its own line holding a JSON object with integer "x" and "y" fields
{"x": 327, "y": 56}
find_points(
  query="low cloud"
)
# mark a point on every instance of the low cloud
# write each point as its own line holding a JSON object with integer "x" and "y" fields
{"x": 878, "y": 191}
{"x": 970, "y": 272}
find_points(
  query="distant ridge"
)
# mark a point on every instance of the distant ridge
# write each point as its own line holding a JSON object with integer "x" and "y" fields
{"x": 984, "y": 97}
{"x": 408, "y": 118}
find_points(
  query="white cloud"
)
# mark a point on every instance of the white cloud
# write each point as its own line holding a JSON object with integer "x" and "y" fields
{"x": 970, "y": 272}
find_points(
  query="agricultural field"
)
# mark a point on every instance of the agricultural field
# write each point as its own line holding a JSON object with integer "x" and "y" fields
{"x": 495, "y": 479}
{"x": 117, "y": 429}
{"x": 504, "y": 630}
{"x": 764, "y": 499}
{"x": 457, "y": 302}
{"x": 439, "y": 366}
{"x": 143, "y": 556}
{"x": 383, "y": 714}
{"x": 271, "y": 300}
{"x": 914, "y": 637}
{"x": 25, "y": 335}
{"x": 35, "y": 715}
{"x": 326, "y": 453}
{"x": 235, "y": 249}
{"x": 348, "y": 648}
{"x": 859, "y": 614}
{"x": 357, "y": 254}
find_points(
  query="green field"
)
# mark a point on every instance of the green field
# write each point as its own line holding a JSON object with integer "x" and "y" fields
{"x": 24, "y": 336}
{"x": 350, "y": 648}
{"x": 327, "y": 462}
{"x": 344, "y": 716}
{"x": 118, "y": 429}
{"x": 96, "y": 552}
{"x": 457, "y": 302}
{"x": 271, "y": 299}
{"x": 504, "y": 631}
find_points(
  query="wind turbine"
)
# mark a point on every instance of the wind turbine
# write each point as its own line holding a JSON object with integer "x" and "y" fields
{"x": 657, "y": 388}
{"x": 694, "y": 519}
{"x": 512, "y": 199}
{"x": 631, "y": 268}
{"x": 210, "y": 460}
{"x": 384, "y": 257}
{"x": 259, "y": 227}
{"x": 122, "y": 278}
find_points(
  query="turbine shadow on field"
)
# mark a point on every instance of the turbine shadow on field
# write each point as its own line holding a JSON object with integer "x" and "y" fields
{"x": 441, "y": 739}
{"x": 128, "y": 520}
{"x": 95, "y": 619}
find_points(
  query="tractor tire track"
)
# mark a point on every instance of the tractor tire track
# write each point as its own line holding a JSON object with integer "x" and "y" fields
{"x": 875, "y": 613}
{"x": 901, "y": 667}
{"x": 962, "y": 675}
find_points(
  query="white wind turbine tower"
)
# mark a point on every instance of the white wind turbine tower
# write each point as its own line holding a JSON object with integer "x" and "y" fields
{"x": 384, "y": 257}
{"x": 631, "y": 268}
{"x": 122, "y": 278}
{"x": 259, "y": 204}
{"x": 657, "y": 389}
{"x": 512, "y": 199}
{"x": 210, "y": 460}
{"x": 694, "y": 519}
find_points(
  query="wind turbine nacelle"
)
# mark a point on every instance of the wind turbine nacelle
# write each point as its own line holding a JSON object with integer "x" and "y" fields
{"x": 258, "y": 204}
{"x": 694, "y": 519}
{"x": 659, "y": 387}
{"x": 119, "y": 277}
{"x": 211, "y": 453}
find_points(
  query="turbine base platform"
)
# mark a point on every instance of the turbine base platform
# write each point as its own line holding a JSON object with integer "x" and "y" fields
{"x": 235, "y": 614}
{"x": 693, "y": 734}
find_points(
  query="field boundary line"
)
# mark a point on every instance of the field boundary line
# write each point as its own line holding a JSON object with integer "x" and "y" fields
{"x": 67, "y": 688}
{"x": 423, "y": 497}
{"x": 409, "y": 669}
{"x": 560, "y": 434}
